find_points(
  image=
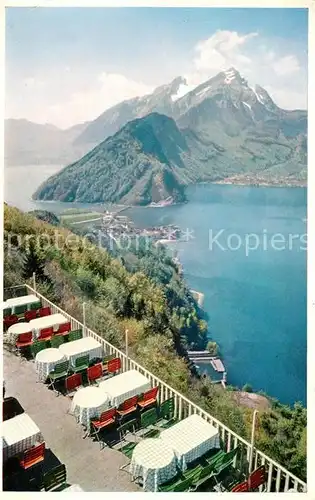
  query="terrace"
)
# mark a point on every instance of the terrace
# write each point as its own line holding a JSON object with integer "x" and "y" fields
{"x": 99, "y": 470}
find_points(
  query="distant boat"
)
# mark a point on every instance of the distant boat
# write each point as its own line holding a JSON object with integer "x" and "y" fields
{"x": 305, "y": 219}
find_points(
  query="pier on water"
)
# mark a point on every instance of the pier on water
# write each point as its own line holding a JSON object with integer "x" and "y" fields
{"x": 215, "y": 361}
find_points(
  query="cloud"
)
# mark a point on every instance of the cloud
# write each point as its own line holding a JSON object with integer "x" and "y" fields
{"x": 71, "y": 95}
{"x": 109, "y": 89}
{"x": 221, "y": 50}
{"x": 260, "y": 61}
{"x": 286, "y": 65}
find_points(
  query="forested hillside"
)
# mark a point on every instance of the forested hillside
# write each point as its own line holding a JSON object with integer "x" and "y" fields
{"x": 143, "y": 292}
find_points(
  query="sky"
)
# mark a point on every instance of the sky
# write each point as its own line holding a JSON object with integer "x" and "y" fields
{"x": 67, "y": 65}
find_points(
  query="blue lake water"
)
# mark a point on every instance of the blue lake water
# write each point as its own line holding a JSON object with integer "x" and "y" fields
{"x": 255, "y": 298}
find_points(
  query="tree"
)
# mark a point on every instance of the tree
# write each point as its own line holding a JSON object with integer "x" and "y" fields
{"x": 33, "y": 262}
{"x": 212, "y": 347}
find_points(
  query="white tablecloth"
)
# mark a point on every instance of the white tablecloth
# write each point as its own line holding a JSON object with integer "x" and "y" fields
{"x": 53, "y": 320}
{"x": 19, "y": 301}
{"x": 78, "y": 348}
{"x": 46, "y": 361}
{"x": 190, "y": 439}
{"x": 88, "y": 403}
{"x": 19, "y": 434}
{"x": 125, "y": 386}
{"x": 17, "y": 329}
{"x": 154, "y": 461}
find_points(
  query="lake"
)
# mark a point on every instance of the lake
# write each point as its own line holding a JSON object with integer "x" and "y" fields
{"x": 245, "y": 251}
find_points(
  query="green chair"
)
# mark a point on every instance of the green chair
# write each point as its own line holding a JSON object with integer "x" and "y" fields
{"x": 35, "y": 306}
{"x": 75, "y": 335}
{"x": 37, "y": 347}
{"x": 129, "y": 426}
{"x": 148, "y": 418}
{"x": 202, "y": 477}
{"x": 18, "y": 310}
{"x": 166, "y": 414}
{"x": 223, "y": 463}
{"x": 217, "y": 457}
{"x": 177, "y": 485}
{"x": 7, "y": 311}
{"x": 81, "y": 363}
{"x": 127, "y": 450}
{"x": 56, "y": 479}
{"x": 60, "y": 371}
{"x": 203, "y": 462}
{"x": 56, "y": 341}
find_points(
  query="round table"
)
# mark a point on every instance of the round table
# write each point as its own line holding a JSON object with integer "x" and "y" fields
{"x": 154, "y": 461}
{"x": 88, "y": 403}
{"x": 17, "y": 329}
{"x": 46, "y": 360}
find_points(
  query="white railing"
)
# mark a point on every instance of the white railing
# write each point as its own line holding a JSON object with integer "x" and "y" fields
{"x": 278, "y": 478}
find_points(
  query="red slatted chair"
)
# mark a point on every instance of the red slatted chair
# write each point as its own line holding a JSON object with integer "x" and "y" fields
{"x": 10, "y": 320}
{"x": 33, "y": 456}
{"x": 72, "y": 382}
{"x": 112, "y": 366}
{"x": 257, "y": 478}
{"x": 64, "y": 329}
{"x": 95, "y": 372}
{"x": 241, "y": 487}
{"x": 46, "y": 333}
{"x": 44, "y": 311}
{"x": 106, "y": 419}
{"x": 128, "y": 406}
{"x": 24, "y": 340}
{"x": 29, "y": 315}
{"x": 149, "y": 398}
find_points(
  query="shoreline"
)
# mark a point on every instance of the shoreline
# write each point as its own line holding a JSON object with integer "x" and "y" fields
{"x": 223, "y": 182}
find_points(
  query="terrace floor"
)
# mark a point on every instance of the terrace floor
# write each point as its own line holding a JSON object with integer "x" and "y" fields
{"x": 93, "y": 469}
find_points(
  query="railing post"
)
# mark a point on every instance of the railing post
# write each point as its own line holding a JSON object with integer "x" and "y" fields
{"x": 34, "y": 281}
{"x": 252, "y": 442}
{"x": 127, "y": 342}
{"x": 84, "y": 322}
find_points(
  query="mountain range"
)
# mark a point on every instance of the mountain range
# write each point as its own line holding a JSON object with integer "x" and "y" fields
{"x": 149, "y": 148}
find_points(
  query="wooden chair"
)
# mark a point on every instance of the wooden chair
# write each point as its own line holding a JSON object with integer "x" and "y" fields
{"x": 7, "y": 312}
{"x": 149, "y": 418}
{"x": 55, "y": 479}
{"x": 127, "y": 407}
{"x": 75, "y": 335}
{"x": 11, "y": 408}
{"x": 106, "y": 419}
{"x": 33, "y": 456}
{"x": 29, "y": 315}
{"x": 166, "y": 413}
{"x": 257, "y": 478}
{"x": 44, "y": 311}
{"x": 94, "y": 372}
{"x": 149, "y": 398}
{"x": 24, "y": 340}
{"x": 20, "y": 309}
{"x": 177, "y": 484}
{"x": 81, "y": 363}
{"x": 10, "y": 320}
{"x": 35, "y": 306}
{"x": 37, "y": 346}
{"x": 60, "y": 372}
{"x": 72, "y": 383}
{"x": 112, "y": 366}
{"x": 56, "y": 341}
{"x": 241, "y": 487}
{"x": 46, "y": 333}
{"x": 64, "y": 329}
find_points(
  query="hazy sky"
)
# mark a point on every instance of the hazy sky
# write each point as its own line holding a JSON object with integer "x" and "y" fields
{"x": 67, "y": 65}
